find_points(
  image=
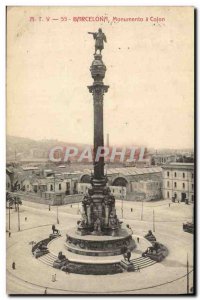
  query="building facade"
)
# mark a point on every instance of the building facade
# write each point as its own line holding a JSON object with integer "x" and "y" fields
{"x": 178, "y": 181}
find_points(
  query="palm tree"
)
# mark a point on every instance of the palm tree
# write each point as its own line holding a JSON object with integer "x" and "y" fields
{"x": 17, "y": 202}
{"x": 9, "y": 204}
{"x": 11, "y": 199}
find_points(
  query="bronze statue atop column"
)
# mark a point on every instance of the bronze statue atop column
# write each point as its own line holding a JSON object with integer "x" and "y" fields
{"x": 100, "y": 38}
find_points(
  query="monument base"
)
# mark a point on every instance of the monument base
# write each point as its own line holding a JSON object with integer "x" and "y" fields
{"x": 100, "y": 245}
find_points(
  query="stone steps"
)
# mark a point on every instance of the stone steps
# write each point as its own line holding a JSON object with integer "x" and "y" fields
{"x": 143, "y": 263}
{"x": 140, "y": 262}
{"x": 48, "y": 259}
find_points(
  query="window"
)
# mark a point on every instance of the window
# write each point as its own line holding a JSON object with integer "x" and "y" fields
{"x": 175, "y": 184}
{"x": 183, "y": 185}
{"x": 59, "y": 186}
{"x": 167, "y": 183}
{"x": 183, "y": 175}
{"x": 168, "y": 173}
{"x": 51, "y": 187}
{"x": 174, "y": 174}
{"x": 168, "y": 195}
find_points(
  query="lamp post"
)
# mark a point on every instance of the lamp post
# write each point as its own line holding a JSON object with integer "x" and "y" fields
{"x": 57, "y": 215}
{"x": 187, "y": 275}
{"x": 153, "y": 221}
{"x": 122, "y": 207}
{"x": 9, "y": 216}
{"x": 55, "y": 198}
{"x": 18, "y": 215}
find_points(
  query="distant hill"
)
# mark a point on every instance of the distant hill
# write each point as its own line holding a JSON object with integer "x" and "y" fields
{"x": 28, "y": 148}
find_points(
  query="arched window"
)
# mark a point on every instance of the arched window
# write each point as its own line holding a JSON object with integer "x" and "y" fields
{"x": 85, "y": 179}
{"x": 120, "y": 181}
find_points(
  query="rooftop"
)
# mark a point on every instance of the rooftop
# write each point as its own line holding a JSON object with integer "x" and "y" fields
{"x": 178, "y": 165}
{"x": 130, "y": 171}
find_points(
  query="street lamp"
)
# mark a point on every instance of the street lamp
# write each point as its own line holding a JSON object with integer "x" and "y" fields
{"x": 18, "y": 216}
{"x": 187, "y": 275}
{"x": 55, "y": 198}
{"x": 9, "y": 216}
{"x": 122, "y": 207}
{"x": 57, "y": 215}
{"x": 153, "y": 221}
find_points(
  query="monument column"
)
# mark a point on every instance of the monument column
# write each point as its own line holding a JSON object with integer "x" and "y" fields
{"x": 98, "y": 89}
{"x": 98, "y": 217}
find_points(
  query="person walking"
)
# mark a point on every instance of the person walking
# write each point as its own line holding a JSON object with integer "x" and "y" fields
{"x": 13, "y": 265}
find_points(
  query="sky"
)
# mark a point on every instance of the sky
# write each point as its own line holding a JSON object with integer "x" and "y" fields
{"x": 150, "y": 72}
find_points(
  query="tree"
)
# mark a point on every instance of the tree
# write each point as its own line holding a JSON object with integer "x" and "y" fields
{"x": 9, "y": 200}
{"x": 17, "y": 202}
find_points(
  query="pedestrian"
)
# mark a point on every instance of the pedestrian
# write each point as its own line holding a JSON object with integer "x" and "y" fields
{"x": 45, "y": 291}
{"x": 25, "y": 218}
{"x": 9, "y": 234}
{"x": 131, "y": 209}
{"x": 13, "y": 265}
{"x": 169, "y": 204}
{"x": 138, "y": 239}
{"x": 49, "y": 207}
{"x": 53, "y": 228}
{"x": 71, "y": 205}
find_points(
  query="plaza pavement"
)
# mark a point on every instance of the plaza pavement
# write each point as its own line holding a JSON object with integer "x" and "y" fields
{"x": 32, "y": 276}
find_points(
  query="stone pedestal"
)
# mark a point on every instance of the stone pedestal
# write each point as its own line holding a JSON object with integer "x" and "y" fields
{"x": 99, "y": 245}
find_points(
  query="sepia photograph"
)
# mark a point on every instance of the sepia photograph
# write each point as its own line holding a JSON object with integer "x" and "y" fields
{"x": 100, "y": 150}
